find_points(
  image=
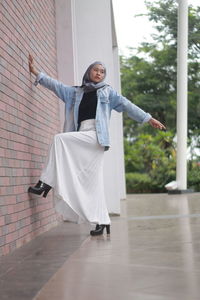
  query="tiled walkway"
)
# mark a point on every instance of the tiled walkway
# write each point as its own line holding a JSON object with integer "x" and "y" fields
{"x": 153, "y": 253}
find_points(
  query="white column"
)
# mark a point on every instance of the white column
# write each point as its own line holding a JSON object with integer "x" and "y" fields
{"x": 94, "y": 30}
{"x": 66, "y": 44}
{"x": 182, "y": 106}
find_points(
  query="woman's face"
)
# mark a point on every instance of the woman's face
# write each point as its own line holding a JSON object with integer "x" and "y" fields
{"x": 97, "y": 73}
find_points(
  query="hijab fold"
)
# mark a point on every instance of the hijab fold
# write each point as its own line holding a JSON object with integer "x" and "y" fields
{"x": 87, "y": 84}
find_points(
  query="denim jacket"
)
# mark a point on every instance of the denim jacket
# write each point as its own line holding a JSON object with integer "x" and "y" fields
{"x": 107, "y": 99}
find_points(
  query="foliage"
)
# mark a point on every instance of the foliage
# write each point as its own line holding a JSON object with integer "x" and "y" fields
{"x": 194, "y": 176}
{"x": 138, "y": 183}
{"x": 149, "y": 162}
{"x": 149, "y": 78}
{"x": 149, "y": 81}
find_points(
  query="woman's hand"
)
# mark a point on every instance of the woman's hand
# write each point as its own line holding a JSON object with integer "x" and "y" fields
{"x": 31, "y": 65}
{"x": 156, "y": 124}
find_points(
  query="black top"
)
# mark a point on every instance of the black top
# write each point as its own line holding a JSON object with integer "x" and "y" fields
{"x": 88, "y": 106}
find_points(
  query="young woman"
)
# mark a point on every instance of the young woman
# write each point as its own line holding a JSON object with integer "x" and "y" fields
{"x": 74, "y": 167}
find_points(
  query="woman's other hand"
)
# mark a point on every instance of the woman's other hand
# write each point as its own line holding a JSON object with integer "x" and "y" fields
{"x": 31, "y": 65}
{"x": 156, "y": 124}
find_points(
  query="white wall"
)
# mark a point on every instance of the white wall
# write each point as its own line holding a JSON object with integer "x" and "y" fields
{"x": 85, "y": 33}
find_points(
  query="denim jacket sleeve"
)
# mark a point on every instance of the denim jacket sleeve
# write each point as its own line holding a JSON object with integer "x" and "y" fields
{"x": 61, "y": 90}
{"x": 122, "y": 104}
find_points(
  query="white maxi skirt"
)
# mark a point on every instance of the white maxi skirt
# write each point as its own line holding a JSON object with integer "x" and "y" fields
{"x": 74, "y": 169}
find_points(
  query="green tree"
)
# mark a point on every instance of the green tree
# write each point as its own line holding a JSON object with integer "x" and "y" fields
{"x": 149, "y": 81}
{"x": 149, "y": 78}
{"x": 150, "y": 162}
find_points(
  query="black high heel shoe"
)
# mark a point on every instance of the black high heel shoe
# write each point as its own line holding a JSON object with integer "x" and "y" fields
{"x": 99, "y": 230}
{"x": 40, "y": 188}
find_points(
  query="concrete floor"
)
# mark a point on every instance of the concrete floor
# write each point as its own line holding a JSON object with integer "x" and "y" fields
{"x": 153, "y": 253}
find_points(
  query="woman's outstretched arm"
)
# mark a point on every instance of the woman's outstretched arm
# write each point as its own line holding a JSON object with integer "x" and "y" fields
{"x": 122, "y": 104}
{"x": 61, "y": 90}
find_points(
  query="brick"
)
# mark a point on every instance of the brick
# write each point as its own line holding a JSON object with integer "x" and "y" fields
{"x": 4, "y": 181}
{"x": 12, "y": 246}
{"x": 24, "y": 214}
{"x": 2, "y": 220}
{"x": 29, "y": 117}
{"x": 11, "y": 237}
{"x": 19, "y": 207}
{"x": 5, "y": 250}
{"x": 3, "y": 210}
{"x": 8, "y": 228}
{"x": 2, "y": 172}
{"x": 22, "y": 197}
{"x": 2, "y": 241}
{"x": 7, "y": 200}
{"x": 18, "y": 190}
{"x": 8, "y": 219}
{"x": 10, "y": 209}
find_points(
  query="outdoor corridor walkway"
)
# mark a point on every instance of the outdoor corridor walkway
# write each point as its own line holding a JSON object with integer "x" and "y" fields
{"x": 153, "y": 253}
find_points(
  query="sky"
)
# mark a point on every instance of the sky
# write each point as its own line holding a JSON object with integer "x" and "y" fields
{"x": 131, "y": 30}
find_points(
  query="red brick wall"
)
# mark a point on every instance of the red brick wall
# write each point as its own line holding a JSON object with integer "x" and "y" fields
{"x": 29, "y": 117}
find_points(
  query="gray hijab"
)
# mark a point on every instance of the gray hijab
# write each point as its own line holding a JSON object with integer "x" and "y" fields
{"x": 87, "y": 84}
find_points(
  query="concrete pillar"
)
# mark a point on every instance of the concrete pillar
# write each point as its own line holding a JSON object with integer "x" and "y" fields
{"x": 66, "y": 40}
{"x": 182, "y": 106}
{"x": 81, "y": 39}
